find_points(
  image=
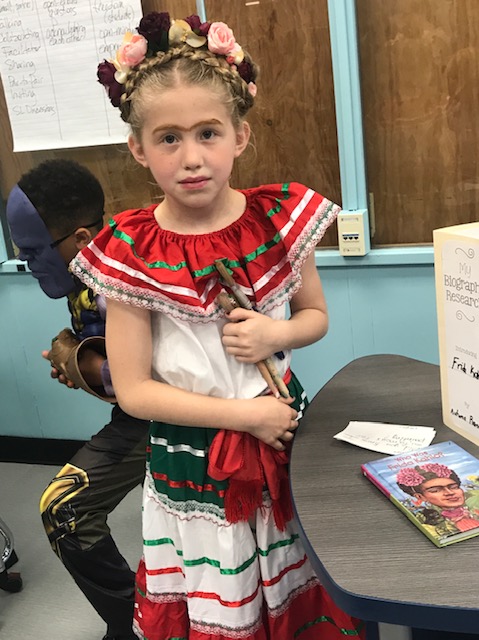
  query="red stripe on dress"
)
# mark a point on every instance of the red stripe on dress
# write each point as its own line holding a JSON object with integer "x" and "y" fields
{"x": 180, "y": 484}
{"x": 226, "y": 603}
{"x": 292, "y": 567}
{"x": 159, "y": 572}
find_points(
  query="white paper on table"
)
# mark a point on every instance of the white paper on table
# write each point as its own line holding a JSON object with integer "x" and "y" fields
{"x": 49, "y": 53}
{"x": 387, "y": 438}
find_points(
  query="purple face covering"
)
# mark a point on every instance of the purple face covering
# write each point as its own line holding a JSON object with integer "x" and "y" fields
{"x": 33, "y": 239}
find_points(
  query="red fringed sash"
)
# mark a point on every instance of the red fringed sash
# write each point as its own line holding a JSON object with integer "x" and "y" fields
{"x": 250, "y": 464}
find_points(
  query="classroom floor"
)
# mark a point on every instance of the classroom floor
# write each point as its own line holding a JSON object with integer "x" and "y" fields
{"x": 51, "y": 607}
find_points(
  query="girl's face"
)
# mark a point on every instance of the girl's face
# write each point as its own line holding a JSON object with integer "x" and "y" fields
{"x": 189, "y": 143}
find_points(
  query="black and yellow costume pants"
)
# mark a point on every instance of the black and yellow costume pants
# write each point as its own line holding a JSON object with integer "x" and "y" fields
{"x": 75, "y": 507}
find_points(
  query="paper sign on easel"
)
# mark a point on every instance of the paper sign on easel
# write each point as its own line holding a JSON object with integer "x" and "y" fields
{"x": 456, "y": 255}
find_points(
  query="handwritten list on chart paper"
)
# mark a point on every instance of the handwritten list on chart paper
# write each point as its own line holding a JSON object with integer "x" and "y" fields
{"x": 49, "y": 53}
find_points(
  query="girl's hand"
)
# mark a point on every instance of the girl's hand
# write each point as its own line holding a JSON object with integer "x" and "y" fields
{"x": 274, "y": 421}
{"x": 250, "y": 336}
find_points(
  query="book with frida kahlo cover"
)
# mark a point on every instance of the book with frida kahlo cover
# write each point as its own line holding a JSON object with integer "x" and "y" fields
{"x": 437, "y": 488}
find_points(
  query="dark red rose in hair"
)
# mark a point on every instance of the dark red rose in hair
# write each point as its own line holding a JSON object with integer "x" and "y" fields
{"x": 106, "y": 76}
{"x": 194, "y": 22}
{"x": 204, "y": 28}
{"x": 115, "y": 91}
{"x": 154, "y": 27}
{"x": 246, "y": 71}
{"x": 200, "y": 28}
{"x": 106, "y": 73}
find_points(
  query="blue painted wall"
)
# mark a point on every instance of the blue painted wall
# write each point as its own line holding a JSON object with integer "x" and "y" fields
{"x": 388, "y": 308}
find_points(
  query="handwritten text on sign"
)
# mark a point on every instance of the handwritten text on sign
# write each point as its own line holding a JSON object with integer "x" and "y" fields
{"x": 49, "y": 53}
{"x": 461, "y": 312}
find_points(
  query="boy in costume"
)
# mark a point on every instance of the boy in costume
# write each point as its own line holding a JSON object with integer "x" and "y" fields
{"x": 53, "y": 212}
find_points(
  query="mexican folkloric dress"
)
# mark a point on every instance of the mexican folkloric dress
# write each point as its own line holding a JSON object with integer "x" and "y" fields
{"x": 219, "y": 562}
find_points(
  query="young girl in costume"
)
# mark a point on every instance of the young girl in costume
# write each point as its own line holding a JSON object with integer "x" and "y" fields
{"x": 222, "y": 557}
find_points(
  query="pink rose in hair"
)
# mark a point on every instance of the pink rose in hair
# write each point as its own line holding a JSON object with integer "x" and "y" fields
{"x": 253, "y": 89}
{"x": 221, "y": 39}
{"x": 132, "y": 51}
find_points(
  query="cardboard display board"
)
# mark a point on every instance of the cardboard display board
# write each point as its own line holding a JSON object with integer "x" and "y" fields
{"x": 456, "y": 257}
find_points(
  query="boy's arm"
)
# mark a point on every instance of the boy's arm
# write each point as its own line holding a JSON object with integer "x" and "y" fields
{"x": 81, "y": 364}
{"x": 94, "y": 368}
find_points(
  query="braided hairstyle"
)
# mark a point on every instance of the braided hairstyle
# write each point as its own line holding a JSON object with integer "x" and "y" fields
{"x": 183, "y": 63}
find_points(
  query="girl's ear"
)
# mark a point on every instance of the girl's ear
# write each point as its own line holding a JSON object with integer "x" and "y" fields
{"x": 242, "y": 138}
{"x": 136, "y": 150}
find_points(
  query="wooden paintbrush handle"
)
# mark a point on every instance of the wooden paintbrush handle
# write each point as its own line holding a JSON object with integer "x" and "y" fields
{"x": 277, "y": 379}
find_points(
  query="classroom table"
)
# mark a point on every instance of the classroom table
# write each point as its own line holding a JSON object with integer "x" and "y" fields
{"x": 372, "y": 560}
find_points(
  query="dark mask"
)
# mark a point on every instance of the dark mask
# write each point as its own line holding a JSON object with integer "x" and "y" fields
{"x": 33, "y": 239}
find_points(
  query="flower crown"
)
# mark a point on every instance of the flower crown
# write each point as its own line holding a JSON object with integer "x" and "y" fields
{"x": 413, "y": 477}
{"x": 156, "y": 32}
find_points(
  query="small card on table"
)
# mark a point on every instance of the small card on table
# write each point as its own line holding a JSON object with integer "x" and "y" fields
{"x": 387, "y": 438}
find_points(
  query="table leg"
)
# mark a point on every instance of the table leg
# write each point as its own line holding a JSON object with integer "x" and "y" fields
{"x": 393, "y": 632}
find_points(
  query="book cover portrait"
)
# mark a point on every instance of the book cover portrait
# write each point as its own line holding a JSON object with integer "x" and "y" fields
{"x": 436, "y": 487}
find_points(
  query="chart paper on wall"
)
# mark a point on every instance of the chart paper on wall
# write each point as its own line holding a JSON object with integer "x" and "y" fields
{"x": 49, "y": 53}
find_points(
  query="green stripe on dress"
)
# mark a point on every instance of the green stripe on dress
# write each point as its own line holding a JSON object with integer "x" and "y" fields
{"x": 346, "y": 632}
{"x": 216, "y": 563}
{"x": 206, "y": 271}
{"x": 183, "y": 466}
{"x": 187, "y": 471}
{"x": 285, "y": 192}
{"x": 198, "y": 273}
